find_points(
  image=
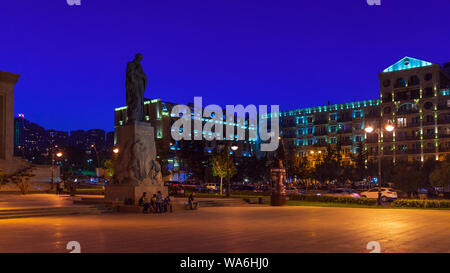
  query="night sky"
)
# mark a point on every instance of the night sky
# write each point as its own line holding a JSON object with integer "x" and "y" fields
{"x": 295, "y": 53}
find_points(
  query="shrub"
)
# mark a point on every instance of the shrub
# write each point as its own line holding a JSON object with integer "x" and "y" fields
{"x": 416, "y": 203}
{"x": 333, "y": 199}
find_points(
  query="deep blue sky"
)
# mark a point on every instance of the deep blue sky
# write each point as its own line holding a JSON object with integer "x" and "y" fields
{"x": 295, "y": 53}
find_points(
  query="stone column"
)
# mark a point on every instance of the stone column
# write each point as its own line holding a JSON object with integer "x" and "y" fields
{"x": 7, "y": 83}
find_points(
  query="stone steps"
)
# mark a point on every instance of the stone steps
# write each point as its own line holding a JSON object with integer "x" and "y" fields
{"x": 50, "y": 211}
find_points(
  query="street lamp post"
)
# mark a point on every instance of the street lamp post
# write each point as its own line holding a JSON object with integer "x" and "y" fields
{"x": 234, "y": 148}
{"x": 98, "y": 161}
{"x": 58, "y": 154}
{"x": 371, "y": 129}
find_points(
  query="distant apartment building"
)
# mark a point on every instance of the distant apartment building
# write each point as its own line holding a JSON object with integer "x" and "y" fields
{"x": 414, "y": 98}
{"x": 34, "y": 142}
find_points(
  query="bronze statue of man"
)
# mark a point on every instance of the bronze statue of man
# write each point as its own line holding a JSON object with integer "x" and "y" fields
{"x": 135, "y": 84}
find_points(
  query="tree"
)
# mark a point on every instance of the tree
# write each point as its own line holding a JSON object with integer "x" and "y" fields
{"x": 109, "y": 166}
{"x": 360, "y": 162}
{"x": 223, "y": 166}
{"x": 192, "y": 156}
{"x": 440, "y": 176}
{"x": 408, "y": 177}
{"x": 22, "y": 179}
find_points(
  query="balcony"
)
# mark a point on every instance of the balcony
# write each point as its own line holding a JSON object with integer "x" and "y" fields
{"x": 319, "y": 122}
{"x": 443, "y": 107}
{"x": 320, "y": 144}
{"x": 344, "y": 119}
{"x": 407, "y": 112}
{"x": 321, "y": 133}
{"x": 428, "y": 123}
{"x": 429, "y": 150}
{"x": 408, "y": 151}
{"x": 405, "y": 138}
{"x": 371, "y": 140}
{"x": 346, "y": 142}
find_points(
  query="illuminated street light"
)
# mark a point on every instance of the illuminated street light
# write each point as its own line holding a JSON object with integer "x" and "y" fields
{"x": 116, "y": 150}
{"x": 369, "y": 129}
{"x": 59, "y": 154}
{"x": 234, "y": 147}
{"x": 389, "y": 128}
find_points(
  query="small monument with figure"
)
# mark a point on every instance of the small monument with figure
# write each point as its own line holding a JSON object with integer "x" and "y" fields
{"x": 277, "y": 184}
{"x": 135, "y": 169}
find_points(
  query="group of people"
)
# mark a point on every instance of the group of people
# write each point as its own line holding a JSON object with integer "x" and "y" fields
{"x": 155, "y": 204}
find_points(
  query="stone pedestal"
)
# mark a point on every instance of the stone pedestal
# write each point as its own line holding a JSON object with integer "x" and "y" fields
{"x": 277, "y": 184}
{"x": 135, "y": 169}
{"x": 119, "y": 193}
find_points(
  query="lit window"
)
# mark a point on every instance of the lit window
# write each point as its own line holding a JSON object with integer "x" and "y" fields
{"x": 401, "y": 122}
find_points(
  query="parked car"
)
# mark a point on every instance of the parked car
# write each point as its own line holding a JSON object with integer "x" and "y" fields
{"x": 172, "y": 183}
{"x": 343, "y": 192}
{"x": 211, "y": 186}
{"x": 292, "y": 190}
{"x": 387, "y": 194}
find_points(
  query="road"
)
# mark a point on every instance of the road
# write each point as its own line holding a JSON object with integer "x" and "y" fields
{"x": 235, "y": 229}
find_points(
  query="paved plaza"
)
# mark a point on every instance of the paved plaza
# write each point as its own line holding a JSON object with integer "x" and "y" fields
{"x": 235, "y": 229}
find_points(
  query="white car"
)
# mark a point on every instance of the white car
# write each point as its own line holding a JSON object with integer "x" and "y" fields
{"x": 211, "y": 186}
{"x": 387, "y": 194}
{"x": 342, "y": 192}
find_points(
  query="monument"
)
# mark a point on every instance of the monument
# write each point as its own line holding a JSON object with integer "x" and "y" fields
{"x": 277, "y": 184}
{"x": 135, "y": 169}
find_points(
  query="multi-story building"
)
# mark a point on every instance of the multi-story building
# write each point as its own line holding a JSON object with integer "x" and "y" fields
{"x": 58, "y": 138}
{"x": 96, "y": 137}
{"x": 157, "y": 112}
{"x": 414, "y": 98}
{"x": 313, "y": 130}
{"x": 110, "y": 140}
{"x": 29, "y": 138}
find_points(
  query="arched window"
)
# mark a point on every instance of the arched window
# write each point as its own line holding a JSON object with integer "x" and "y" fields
{"x": 400, "y": 83}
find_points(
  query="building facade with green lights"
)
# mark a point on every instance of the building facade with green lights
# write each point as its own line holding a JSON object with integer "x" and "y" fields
{"x": 158, "y": 113}
{"x": 414, "y": 98}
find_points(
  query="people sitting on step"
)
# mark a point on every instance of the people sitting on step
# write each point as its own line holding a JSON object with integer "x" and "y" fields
{"x": 144, "y": 202}
{"x": 153, "y": 203}
{"x": 167, "y": 204}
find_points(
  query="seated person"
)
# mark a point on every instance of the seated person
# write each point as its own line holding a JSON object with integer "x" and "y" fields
{"x": 167, "y": 204}
{"x": 153, "y": 203}
{"x": 143, "y": 201}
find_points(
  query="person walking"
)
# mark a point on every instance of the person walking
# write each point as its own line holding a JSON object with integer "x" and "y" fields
{"x": 191, "y": 201}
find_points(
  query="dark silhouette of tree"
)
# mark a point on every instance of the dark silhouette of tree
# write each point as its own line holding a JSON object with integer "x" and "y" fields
{"x": 408, "y": 177}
